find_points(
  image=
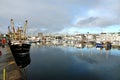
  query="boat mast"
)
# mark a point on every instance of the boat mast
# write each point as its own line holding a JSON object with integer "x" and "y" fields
{"x": 9, "y": 31}
{"x": 12, "y": 25}
{"x": 24, "y": 29}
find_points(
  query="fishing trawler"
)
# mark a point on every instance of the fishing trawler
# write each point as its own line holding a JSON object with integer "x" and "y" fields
{"x": 18, "y": 41}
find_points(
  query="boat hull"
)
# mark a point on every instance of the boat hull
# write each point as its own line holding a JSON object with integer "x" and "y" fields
{"x": 20, "y": 49}
{"x": 22, "y": 61}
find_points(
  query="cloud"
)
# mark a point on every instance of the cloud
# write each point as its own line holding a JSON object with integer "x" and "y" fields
{"x": 56, "y": 15}
{"x": 96, "y": 22}
{"x": 43, "y": 14}
{"x": 101, "y": 15}
{"x": 87, "y": 22}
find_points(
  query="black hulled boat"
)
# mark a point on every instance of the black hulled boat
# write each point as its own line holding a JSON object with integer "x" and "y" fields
{"x": 19, "y": 48}
{"x": 18, "y": 40}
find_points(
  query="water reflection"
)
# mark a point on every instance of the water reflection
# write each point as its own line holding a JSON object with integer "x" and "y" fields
{"x": 77, "y": 45}
{"x": 83, "y": 47}
{"x": 78, "y": 61}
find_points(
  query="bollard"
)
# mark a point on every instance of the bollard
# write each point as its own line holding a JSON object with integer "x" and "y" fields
{"x": 4, "y": 74}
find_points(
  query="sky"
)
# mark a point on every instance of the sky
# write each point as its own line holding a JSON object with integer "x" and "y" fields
{"x": 61, "y": 16}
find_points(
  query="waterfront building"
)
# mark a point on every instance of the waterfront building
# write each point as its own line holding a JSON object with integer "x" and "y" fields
{"x": 79, "y": 37}
{"x": 91, "y": 38}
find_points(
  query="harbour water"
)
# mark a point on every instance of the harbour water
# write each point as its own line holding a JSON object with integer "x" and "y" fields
{"x": 65, "y": 62}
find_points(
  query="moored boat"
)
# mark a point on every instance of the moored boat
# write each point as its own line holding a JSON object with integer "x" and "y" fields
{"x": 99, "y": 45}
{"x": 20, "y": 48}
{"x": 18, "y": 40}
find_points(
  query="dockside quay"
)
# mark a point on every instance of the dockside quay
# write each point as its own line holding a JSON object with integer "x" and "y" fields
{"x": 8, "y": 67}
